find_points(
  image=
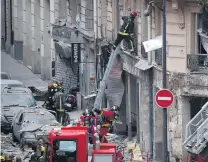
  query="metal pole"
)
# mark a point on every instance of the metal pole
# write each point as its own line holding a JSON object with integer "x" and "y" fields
{"x": 150, "y": 105}
{"x": 151, "y": 121}
{"x": 137, "y": 110}
{"x": 129, "y": 107}
{"x": 165, "y": 140}
{"x": 117, "y": 15}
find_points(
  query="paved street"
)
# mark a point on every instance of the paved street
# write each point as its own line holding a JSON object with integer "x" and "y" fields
{"x": 17, "y": 71}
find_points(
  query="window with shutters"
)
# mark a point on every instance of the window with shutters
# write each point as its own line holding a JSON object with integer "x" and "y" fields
{"x": 89, "y": 15}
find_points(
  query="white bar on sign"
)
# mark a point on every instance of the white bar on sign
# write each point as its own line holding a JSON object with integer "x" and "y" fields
{"x": 164, "y": 98}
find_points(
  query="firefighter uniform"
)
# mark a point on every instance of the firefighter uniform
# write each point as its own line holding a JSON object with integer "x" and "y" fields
{"x": 126, "y": 30}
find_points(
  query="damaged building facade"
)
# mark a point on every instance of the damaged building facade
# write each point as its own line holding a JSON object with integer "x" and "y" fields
{"x": 134, "y": 79}
{"x": 142, "y": 74}
{"x": 186, "y": 69}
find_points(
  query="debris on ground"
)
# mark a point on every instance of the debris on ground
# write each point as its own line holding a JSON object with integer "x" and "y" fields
{"x": 123, "y": 142}
{"x": 8, "y": 148}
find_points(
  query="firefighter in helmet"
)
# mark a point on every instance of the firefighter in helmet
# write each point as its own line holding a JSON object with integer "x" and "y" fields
{"x": 126, "y": 31}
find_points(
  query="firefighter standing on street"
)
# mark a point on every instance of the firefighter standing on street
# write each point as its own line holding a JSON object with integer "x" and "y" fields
{"x": 126, "y": 30}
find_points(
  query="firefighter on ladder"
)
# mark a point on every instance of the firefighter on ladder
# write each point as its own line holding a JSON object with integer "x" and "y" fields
{"x": 126, "y": 31}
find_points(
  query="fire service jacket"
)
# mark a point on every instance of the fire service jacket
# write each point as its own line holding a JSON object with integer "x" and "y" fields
{"x": 128, "y": 25}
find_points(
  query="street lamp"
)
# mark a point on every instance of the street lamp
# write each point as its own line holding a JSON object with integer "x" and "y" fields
{"x": 147, "y": 12}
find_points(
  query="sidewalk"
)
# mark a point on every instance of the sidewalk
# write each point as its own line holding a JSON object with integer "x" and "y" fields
{"x": 18, "y": 71}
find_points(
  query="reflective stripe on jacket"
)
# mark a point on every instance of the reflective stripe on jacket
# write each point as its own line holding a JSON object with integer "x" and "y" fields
{"x": 127, "y": 26}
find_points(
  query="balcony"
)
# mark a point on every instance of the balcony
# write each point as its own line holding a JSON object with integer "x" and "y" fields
{"x": 197, "y": 63}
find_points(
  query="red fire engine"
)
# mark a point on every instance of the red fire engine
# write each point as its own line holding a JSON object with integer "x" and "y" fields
{"x": 70, "y": 144}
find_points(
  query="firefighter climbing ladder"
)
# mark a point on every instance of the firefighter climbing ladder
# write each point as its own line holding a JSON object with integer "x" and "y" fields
{"x": 103, "y": 83}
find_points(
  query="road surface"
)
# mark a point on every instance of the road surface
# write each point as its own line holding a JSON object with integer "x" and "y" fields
{"x": 18, "y": 71}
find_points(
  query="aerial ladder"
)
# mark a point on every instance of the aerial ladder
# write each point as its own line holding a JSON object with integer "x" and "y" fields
{"x": 196, "y": 135}
{"x": 103, "y": 83}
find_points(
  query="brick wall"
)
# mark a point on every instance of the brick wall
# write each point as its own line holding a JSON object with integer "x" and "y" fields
{"x": 65, "y": 73}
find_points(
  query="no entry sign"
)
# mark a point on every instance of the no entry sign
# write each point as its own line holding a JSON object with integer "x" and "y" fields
{"x": 164, "y": 98}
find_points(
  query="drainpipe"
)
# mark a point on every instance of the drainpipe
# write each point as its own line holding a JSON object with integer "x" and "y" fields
{"x": 129, "y": 106}
{"x": 95, "y": 6}
{"x": 5, "y": 14}
{"x": 137, "y": 110}
{"x": 118, "y": 14}
{"x": 151, "y": 120}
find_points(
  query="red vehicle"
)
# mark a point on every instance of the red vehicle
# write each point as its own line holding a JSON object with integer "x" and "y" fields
{"x": 70, "y": 144}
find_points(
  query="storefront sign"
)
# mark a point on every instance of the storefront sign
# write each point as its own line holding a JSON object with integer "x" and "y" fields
{"x": 76, "y": 52}
{"x": 61, "y": 33}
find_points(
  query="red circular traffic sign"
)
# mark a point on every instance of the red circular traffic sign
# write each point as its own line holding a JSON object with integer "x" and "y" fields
{"x": 164, "y": 98}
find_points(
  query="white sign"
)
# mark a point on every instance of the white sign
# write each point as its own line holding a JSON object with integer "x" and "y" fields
{"x": 153, "y": 44}
{"x": 76, "y": 53}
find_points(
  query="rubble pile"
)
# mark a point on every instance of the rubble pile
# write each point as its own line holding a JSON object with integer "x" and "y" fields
{"x": 10, "y": 148}
{"x": 123, "y": 142}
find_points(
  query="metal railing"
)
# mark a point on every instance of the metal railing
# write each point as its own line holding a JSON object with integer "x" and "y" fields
{"x": 197, "y": 62}
{"x": 196, "y": 135}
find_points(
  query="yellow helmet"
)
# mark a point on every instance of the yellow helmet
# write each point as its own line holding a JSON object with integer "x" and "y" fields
{"x": 42, "y": 149}
{"x": 3, "y": 158}
{"x": 55, "y": 85}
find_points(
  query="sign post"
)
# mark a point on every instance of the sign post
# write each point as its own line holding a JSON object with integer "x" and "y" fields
{"x": 164, "y": 98}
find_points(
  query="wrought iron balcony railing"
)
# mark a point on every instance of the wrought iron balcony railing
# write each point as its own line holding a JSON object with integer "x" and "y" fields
{"x": 197, "y": 63}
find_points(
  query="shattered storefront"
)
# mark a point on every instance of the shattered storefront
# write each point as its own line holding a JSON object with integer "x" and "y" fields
{"x": 74, "y": 63}
{"x": 64, "y": 69}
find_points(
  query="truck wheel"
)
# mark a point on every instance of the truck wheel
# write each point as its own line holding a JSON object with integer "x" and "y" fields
{"x": 13, "y": 136}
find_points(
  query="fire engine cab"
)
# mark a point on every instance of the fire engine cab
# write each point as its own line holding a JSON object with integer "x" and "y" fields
{"x": 70, "y": 144}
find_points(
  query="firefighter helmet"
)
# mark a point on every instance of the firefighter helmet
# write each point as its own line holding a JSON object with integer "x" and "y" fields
{"x": 55, "y": 85}
{"x": 133, "y": 14}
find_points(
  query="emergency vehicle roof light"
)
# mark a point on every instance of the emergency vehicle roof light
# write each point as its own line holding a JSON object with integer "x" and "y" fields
{"x": 57, "y": 130}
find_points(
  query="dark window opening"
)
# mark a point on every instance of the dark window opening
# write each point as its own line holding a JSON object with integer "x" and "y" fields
{"x": 21, "y": 118}
{"x": 196, "y": 104}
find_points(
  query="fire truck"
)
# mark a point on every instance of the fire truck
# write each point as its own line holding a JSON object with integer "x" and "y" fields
{"x": 70, "y": 144}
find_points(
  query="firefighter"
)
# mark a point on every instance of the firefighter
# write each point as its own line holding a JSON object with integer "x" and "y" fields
{"x": 126, "y": 31}
{"x": 60, "y": 98}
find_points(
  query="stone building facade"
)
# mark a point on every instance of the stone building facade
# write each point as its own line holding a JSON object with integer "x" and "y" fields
{"x": 186, "y": 71}
{"x": 99, "y": 20}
